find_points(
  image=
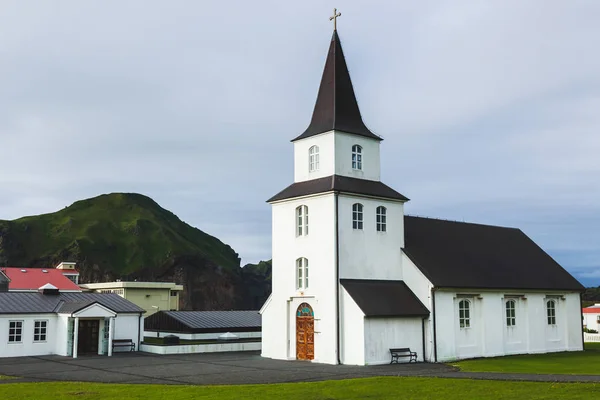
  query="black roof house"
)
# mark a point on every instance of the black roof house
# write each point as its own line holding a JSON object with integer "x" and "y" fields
{"x": 204, "y": 321}
{"x": 465, "y": 255}
{"x": 61, "y": 303}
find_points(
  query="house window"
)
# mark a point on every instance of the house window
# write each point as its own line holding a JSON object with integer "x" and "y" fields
{"x": 464, "y": 313}
{"x": 551, "y": 312}
{"x": 302, "y": 273}
{"x": 301, "y": 221}
{"x": 15, "y": 331}
{"x": 39, "y": 331}
{"x": 357, "y": 216}
{"x": 381, "y": 219}
{"x": 173, "y": 293}
{"x": 511, "y": 319}
{"x": 313, "y": 159}
{"x": 356, "y": 157}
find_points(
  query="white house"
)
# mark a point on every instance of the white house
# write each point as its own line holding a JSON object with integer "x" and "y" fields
{"x": 354, "y": 277}
{"x": 66, "y": 324}
{"x": 591, "y": 317}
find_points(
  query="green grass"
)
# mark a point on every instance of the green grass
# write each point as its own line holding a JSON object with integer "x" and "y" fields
{"x": 369, "y": 388}
{"x": 581, "y": 362}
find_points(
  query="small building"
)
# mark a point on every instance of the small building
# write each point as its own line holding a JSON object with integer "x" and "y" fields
{"x": 151, "y": 296}
{"x": 3, "y": 282}
{"x": 591, "y": 317}
{"x": 64, "y": 277}
{"x": 66, "y": 323}
{"x": 204, "y": 325}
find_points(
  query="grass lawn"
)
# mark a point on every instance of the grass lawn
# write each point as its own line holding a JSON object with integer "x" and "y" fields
{"x": 371, "y": 388}
{"x": 585, "y": 363}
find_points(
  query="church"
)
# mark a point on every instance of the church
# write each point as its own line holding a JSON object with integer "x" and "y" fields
{"x": 354, "y": 277}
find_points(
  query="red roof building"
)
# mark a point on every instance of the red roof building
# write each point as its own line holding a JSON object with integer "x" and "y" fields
{"x": 31, "y": 279}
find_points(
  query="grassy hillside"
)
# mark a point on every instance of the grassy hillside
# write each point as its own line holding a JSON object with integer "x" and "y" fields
{"x": 119, "y": 232}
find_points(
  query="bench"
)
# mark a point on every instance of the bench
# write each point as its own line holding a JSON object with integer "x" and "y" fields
{"x": 402, "y": 352}
{"x": 123, "y": 343}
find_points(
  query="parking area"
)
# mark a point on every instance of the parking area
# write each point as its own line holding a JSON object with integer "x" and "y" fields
{"x": 204, "y": 369}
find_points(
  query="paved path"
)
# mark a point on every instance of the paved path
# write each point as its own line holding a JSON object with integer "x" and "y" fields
{"x": 226, "y": 368}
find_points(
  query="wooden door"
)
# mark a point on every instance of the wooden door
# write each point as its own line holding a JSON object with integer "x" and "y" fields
{"x": 305, "y": 333}
{"x": 87, "y": 340}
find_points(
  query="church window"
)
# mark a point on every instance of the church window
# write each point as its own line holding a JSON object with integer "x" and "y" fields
{"x": 356, "y": 157}
{"x": 381, "y": 219}
{"x": 301, "y": 220}
{"x": 511, "y": 319}
{"x": 357, "y": 216}
{"x": 551, "y": 312}
{"x": 302, "y": 273}
{"x": 313, "y": 158}
{"x": 464, "y": 313}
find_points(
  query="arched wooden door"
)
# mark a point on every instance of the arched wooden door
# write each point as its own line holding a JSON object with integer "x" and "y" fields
{"x": 305, "y": 332}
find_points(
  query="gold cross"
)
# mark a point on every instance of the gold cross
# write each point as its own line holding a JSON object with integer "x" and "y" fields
{"x": 334, "y": 18}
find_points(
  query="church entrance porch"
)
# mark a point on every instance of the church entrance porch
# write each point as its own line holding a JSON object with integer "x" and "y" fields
{"x": 305, "y": 332}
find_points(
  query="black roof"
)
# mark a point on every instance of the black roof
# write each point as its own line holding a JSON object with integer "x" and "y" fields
{"x": 384, "y": 298}
{"x": 338, "y": 183}
{"x": 204, "y": 321}
{"x": 33, "y": 302}
{"x": 466, "y": 255}
{"x": 336, "y": 106}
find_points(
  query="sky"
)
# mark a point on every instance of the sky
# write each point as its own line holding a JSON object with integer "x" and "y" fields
{"x": 489, "y": 110}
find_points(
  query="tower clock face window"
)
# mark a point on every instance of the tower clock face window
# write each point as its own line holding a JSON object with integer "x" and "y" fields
{"x": 381, "y": 219}
{"x": 301, "y": 221}
{"x": 356, "y": 157}
{"x": 302, "y": 273}
{"x": 357, "y": 216}
{"x": 313, "y": 159}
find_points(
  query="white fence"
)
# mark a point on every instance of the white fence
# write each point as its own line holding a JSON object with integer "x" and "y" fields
{"x": 591, "y": 337}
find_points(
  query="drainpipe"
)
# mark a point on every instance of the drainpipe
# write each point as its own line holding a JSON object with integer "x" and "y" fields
{"x": 337, "y": 276}
{"x": 434, "y": 327}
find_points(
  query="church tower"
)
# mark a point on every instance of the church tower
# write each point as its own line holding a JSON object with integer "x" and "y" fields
{"x": 336, "y": 223}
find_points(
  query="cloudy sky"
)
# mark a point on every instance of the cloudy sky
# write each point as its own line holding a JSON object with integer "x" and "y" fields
{"x": 489, "y": 110}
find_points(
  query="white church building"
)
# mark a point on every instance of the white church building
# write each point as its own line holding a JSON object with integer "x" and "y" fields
{"x": 353, "y": 277}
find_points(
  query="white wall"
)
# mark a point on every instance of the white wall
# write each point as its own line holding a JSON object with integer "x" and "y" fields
{"x": 366, "y": 253}
{"x": 27, "y": 347}
{"x": 62, "y": 321}
{"x": 203, "y": 336}
{"x": 382, "y": 334}
{"x": 591, "y": 321}
{"x": 126, "y": 327}
{"x": 279, "y": 317}
{"x": 352, "y": 342}
{"x": 489, "y": 336}
{"x": 201, "y": 348}
{"x": 335, "y": 156}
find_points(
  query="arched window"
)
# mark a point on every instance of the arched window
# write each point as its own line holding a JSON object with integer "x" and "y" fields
{"x": 381, "y": 219}
{"x": 356, "y": 157}
{"x": 301, "y": 220}
{"x": 551, "y": 312}
{"x": 464, "y": 313}
{"x": 511, "y": 319}
{"x": 305, "y": 310}
{"x": 357, "y": 216}
{"x": 302, "y": 273}
{"x": 313, "y": 158}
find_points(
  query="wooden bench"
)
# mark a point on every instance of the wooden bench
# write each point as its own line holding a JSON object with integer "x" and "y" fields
{"x": 397, "y": 354}
{"x": 123, "y": 343}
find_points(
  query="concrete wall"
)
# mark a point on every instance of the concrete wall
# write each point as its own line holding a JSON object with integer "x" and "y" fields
{"x": 146, "y": 298}
{"x": 203, "y": 336}
{"x": 335, "y": 156}
{"x": 201, "y": 348}
{"x": 382, "y": 334}
{"x": 352, "y": 343}
{"x": 27, "y": 347}
{"x": 489, "y": 336}
{"x": 366, "y": 253}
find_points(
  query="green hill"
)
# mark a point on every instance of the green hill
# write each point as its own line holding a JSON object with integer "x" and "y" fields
{"x": 129, "y": 236}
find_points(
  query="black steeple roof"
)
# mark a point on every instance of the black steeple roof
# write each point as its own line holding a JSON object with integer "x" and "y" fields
{"x": 336, "y": 106}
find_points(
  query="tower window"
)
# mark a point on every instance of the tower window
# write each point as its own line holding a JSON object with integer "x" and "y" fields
{"x": 381, "y": 219}
{"x": 313, "y": 158}
{"x": 511, "y": 319}
{"x": 551, "y": 312}
{"x": 464, "y": 313}
{"x": 357, "y": 216}
{"x": 301, "y": 220}
{"x": 356, "y": 157}
{"x": 302, "y": 273}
